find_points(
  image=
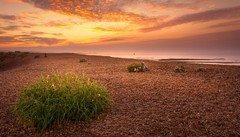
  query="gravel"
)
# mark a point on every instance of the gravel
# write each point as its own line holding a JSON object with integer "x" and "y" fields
{"x": 159, "y": 102}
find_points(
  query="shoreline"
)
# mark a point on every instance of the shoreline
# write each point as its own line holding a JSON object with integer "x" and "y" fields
{"x": 209, "y": 61}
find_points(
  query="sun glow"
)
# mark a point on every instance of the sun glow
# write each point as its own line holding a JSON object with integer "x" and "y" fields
{"x": 58, "y": 22}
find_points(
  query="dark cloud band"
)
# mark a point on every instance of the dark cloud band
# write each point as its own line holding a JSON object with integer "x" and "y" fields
{"x": 29, "y": 38}
{"x": 7, "y": 17}
{"x": 211, "y": 15}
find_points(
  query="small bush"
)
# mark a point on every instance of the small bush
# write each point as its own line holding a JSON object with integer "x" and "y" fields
{"x": 23, "y": 55}
{"x": 37, "y": 56}
{"x": 45, "y": 55}
{"x": 58, "y": 97}
{"x": 12, "y": 54}
{"x": 17, "y": 52}
{"x": 4, "y": 55}
{"x": 2, "y": 58}
{"x": 201, "y": 70}
{"x": 82, "y": 60}
{"x": 137, "y": 67}
{"x": 180, "y": 69}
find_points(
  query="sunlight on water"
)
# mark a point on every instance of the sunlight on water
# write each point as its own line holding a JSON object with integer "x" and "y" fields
{"x": 221, "y": 59}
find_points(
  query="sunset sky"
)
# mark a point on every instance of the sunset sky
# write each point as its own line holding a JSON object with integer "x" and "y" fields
{"x": 49, "y": 23}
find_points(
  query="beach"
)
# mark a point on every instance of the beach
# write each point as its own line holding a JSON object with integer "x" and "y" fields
{"x": 159, "y": 102}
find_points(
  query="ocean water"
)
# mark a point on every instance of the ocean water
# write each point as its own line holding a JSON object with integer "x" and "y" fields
{"x": 214, "y": 59}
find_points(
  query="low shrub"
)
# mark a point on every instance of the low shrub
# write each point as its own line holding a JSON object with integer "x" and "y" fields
{"x": 201, "y": 70}
{"x": 45, "y": 55}
{"x": 17, "y": 52}
{"x": 82, "y": 60}
{"x": 5, "y": 55}
{"x": 61, "y": 97}
{"x": 2, "y": 57}
{"x": 37, "y": 56}
{"x": 137, "y": 67}
{"x": 180, "y": 69}
{"x": 23, "y": 55}
{"x": 12, "y": 54}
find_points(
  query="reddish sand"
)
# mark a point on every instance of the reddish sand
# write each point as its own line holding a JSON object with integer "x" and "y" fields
{"x": 159, "y": 102}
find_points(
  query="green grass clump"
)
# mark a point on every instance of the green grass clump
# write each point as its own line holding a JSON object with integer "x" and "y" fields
{"x": 82, "y": 60}
{"x": 137, "y": 67}
{"x": 61, "y": 97}
{"x": 180, "y": 69}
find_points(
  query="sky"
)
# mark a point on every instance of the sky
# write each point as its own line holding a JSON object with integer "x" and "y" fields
{"x": 120, "y": 24}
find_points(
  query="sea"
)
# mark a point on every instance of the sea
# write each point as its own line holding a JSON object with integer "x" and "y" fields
{"x": 214, "y": 59}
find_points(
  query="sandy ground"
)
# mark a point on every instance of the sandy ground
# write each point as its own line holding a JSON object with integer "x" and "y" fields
{"x": 155, "y": 103}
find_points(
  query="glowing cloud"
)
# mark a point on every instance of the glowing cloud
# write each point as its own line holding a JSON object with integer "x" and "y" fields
{"x": 90, "y": 9}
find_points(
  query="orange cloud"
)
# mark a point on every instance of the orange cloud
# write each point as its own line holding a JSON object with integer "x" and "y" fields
{"x": 30, "y": 14}
{"x": 18, "y": 1}
{"x": 8, "y": 39}
{"x": 110, "y": 29}
{"x": 10, "y": 28}
{"x": 57, "y": 24}
{"x": 2, "y": 32}
{"x": 94, "y": 10}
{"x": 188, "y": 4}
{"x": 44, "y": 33}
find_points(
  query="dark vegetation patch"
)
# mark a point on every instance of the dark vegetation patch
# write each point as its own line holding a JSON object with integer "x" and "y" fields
{"x": 137, "y": 67}
{"x": 10, "y": 60}
{"x": 180, "y": 69}
{"x": 82, "y": 60}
